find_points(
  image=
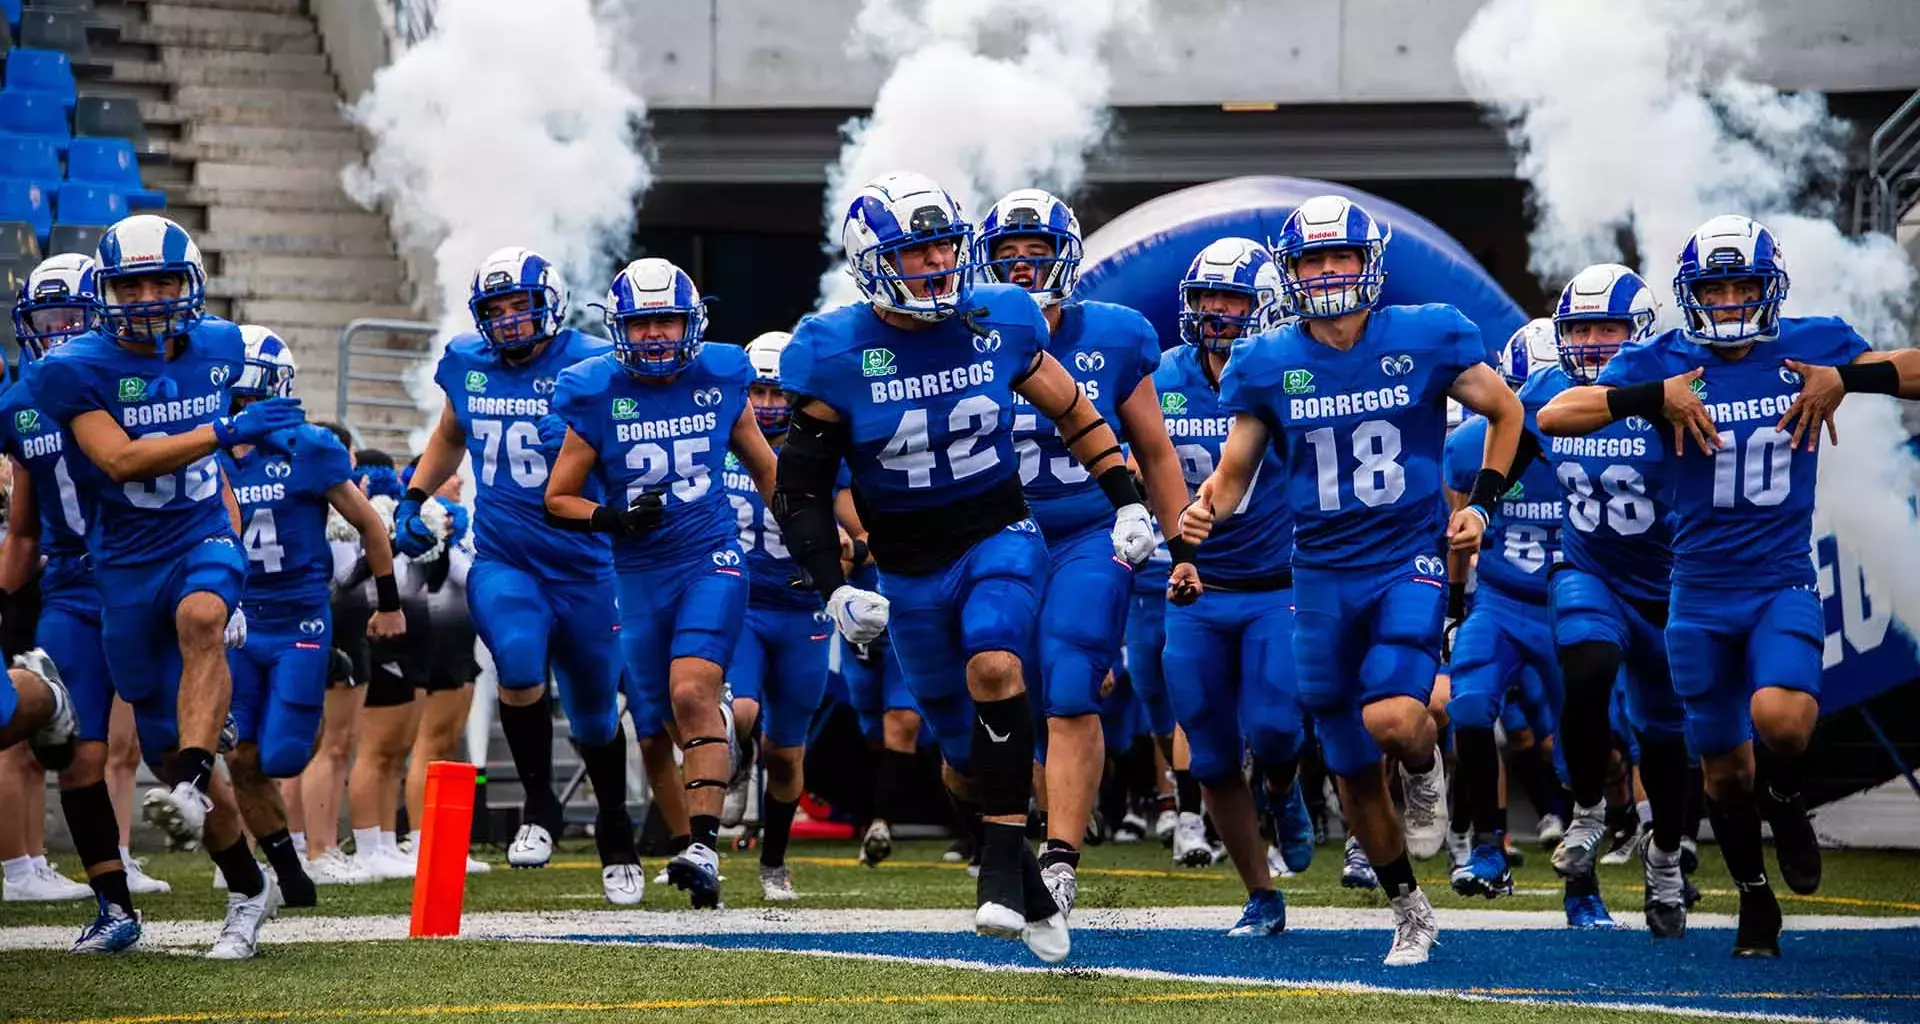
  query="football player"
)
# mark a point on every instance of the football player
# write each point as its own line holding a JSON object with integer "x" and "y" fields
{"x": 653, "y": 423}
{"x": 1355, "y": 398}
{"x": 1031, "y": 240}
{"x": 1747, "y": 392}
{"x": 915, "y": 389}
{"x": 145, "y": 397}
{"x": 1228, "y": 661}
{"x": 541, "y": 596}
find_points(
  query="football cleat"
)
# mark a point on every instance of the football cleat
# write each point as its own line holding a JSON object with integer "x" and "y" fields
{"x": 1485, "y": 873}
{"x": 1588, "y": 912}
{"x": 334, "y": 867}
{"x": 1579, "y": 848}
{"x": 1415, "y": 929}
{"x": 1190, "y": 847}
{"x": 532, "y": 847}
{"x": 1357, "y": 872}
{"x": 1758, "y": 935}
{"x": 1624, "y": 845}
{"x": 1264, "y": 914}
{"x": 1459, "y": 848}
{"x": 1426, "y": 810}
{"x": 54, "y": 744}
{"x": 1795, "y": 846}
{"x": 624, "y": 884}
{"x": 1516, "y": 857}
{"x": 1293, "y": 830}
{"x": 1277, "y": 863}
{"x": 239, "y": 935}
{"x": 39, "y": 883}
{"x": 1164, "y": 825}
{"x": 1666, "y": 893}
{"x": 1551, "y": 829}
{"x": 113, "y": 930}
{"x": 1132, "y": 829}
{"x": 1063, "y": 885}
{"x": 1048, "y": 939}
{"x": 180, "y": 812}
{"x": 141, "y": 883}
{"x": 776, "y": 884}
{"x": 959, "y": 851}
{"x": 696, "y": 870}
{"x": 998, "y": 921}
{"x": 877, "y": 844}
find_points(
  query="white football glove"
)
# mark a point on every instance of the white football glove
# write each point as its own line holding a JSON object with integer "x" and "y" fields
{"x": 236, "y": 630}
{"x": 1133, "y": 534}
{"x": 861, "y": 615}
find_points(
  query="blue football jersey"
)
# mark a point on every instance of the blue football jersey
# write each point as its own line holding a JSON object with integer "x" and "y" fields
{"x": 499, "y": 407}
{"x": 283, "y": 515}
{"x": 668, "y": 437}
{"x": 145, "y": 520}
{"x": 1360, "y": 431}
{"x": 770, "y": 568}
{"x": 1614, "y": 482}
{"x": 931, "y": 411}
{"x": 49, "y": 455}
{"x": 1524, "y": 537}
{"x": 1744, "y": 517}
{"x": 1109, "y": 350}
{"x": 1257, "y": 541}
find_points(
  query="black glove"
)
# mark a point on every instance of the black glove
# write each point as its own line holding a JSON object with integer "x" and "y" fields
{"x": 644, "y": 514}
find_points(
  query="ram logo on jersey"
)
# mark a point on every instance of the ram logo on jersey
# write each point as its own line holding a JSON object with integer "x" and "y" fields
{"x": 1789, "y": 377}
{"x": 1396, "y": 365}
{"x": 1089, "y": 362}
{"x": 279, "y": 469}
{"x": 1333, "y": 406}
{"x": 988, "y": 343}
{"x": 706, "y": 398}
{"x": 1637, "y": 423}
{"x": 543, "y": 385}
{"x": 1429, "y": 565}
{"x": 929, "y": 385}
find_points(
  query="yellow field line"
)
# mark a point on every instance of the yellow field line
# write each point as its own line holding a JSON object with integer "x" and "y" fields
{"x": 929, "y": 999}
{"x": 1837, "y": 901}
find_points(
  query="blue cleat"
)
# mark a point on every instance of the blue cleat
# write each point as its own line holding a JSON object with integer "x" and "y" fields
{"x": 1357, "y": 872}
{"x": 1588, "y": 912}
{"x": 1293, "y": 831}
{"x": 1485, "y": 873}
{"x": 1264, "y": 914}
{"x": 697, "y": 871}
{"x": 112, "y": 931}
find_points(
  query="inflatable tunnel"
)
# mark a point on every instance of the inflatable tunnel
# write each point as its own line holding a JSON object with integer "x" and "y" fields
{"x": 1138, "y": 259}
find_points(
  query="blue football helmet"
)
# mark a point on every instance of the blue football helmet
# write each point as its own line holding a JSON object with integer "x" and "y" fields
{"x": 763, "y": 353}
{"x": 141, "y": 246}
{"x": 268, "y": 370}
{"x": 1602, "y": 292}
{"x": 57, "y": 302}
{"x": 1331, "y": 222}
{"x": 903, "y": 211}
{"x": 1731, "y": 246}
{"x": 1032, "y": 213}
{"x": 517, "y": 272}
{"x": 1239, "y": 265}
{"x": 647, "y": 289}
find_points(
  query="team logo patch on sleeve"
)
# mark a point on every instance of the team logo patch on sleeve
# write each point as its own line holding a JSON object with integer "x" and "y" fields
{"x": 133, "y": 389}
{"x": 625, "y": 409}
{"x": 877, "y": 362}
{"x": 27, "y": 421}
{"x": 476, "y": 381}
{"x": 1173, "y": 403}
{"x": 1297, "y": 382}
{"x": 1514, "y": 493}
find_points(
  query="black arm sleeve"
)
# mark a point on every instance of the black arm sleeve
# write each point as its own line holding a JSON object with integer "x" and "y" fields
{"x": 803, "y": 497}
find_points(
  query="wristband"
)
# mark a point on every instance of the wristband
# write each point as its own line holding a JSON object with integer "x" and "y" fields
{"x": 860, "y": 552}
{"x": 1457, "y": 600}
{"x": 1183, "y": 552}
{"x": 1879, "y": 378}
{"x": 1646, "y": 401}
{"x": 605, "y": 520}
{"x": 387, "y": 593}
{"x": 1488, "y": 485}
{"x": 415, "y": 495}
{"x": 1117, "y": 483}
{"x": 223, "y": 432}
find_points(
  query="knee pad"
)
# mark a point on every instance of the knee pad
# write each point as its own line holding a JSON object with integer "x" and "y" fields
{"x": 286, "y": 755}
{"x": 999, "y": 615}
{"x": 1345, "y": 743}
{"x": 1473, "y": 708}
{"x": 1719, "y": 722}
{"x": 951, "y": 720}
{"x": 1394, "y": 669}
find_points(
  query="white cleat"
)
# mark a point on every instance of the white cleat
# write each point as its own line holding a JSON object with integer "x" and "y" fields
{"x": 1426, "y": 811}
{"x": 1551, "y": 829}
{"x": 180, "y": 812}
{"x": 334, "y": 867}
{"x": 1414, "y": 929}
{"x": 240, "y": 934}
{"x": 379, "y": 866}
{"x": 1459, "y": 849}
{"x": 476, "y": 866}
{"x": 1164, "y": 825}
{"x": 1190, "y": 847}
{"x": 998, "y": 921}
{"x": 141, "y": 883}
{"x": 1049, "y": 940}
{"x": 624, "y": 884}
{"x": 41, "y": 884}
{"x": 1064, "y": 886}
{"x": 1277, "y": 864}
{"x": 776, "y": 884}
{"x": 532, "y": 847}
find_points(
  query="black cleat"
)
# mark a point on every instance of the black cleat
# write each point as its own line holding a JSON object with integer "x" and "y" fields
{"x": 1758, "y": 936}
{"x": 1794, "y": 845}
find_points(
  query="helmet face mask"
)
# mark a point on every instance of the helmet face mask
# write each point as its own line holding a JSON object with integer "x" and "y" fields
{"x": 267, "y": 370}
{"x": 151, "y": 281}
{"x": 1601, "y": 309}
{"x": 1032, "y": 240}
{"x": 1731, "y": 282}
{"x": 657, "y": 318}
{"x": 771, "y": 408}
{"x": 1332, "y": 257}
{"x": 1231, "y": 290}
{"x": 518, "y": 301}
{"x": 58, "y": 301}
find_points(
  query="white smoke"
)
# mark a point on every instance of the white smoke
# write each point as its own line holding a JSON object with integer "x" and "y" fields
{"x": 506, "y": 127}
{"x": 983, "y": 96}
{"x": 1634, "y": 116}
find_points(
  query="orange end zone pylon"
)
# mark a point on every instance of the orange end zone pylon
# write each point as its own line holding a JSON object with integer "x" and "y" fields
{"x": 440, "y": 883}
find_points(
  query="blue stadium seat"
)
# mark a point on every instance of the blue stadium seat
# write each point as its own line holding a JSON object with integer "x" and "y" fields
{"x": 79, "y": 202}
{"x": 26, "y": 201}
{"x": 31, "y": 157}
{"x": 35, "y": 113}
{"x": 11, "y": 8}
{"x": 111, "y": 162}
{"x": 48, "y": 71}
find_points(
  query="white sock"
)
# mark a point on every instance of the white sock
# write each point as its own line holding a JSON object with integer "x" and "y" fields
{"x": 366, "y": 843}
{"x": 40, "y": 863}
{"x": 389, "y": 841}
{"x": 299, "y": 842}
{"x": 126, "y": 859}
{"x": 1645, "y": 810}
{"x": 413, "y": 842}
{"x": 17, "y": 869}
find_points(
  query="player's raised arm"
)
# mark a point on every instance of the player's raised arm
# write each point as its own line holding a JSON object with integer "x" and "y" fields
{"x": 1153, "y": 452}
{"x": 1579, "y": 411}
{"x": 1052, "y": 391}
{"x": 1895, "y": 373}
{"x": 124, "y": 458}
{"x": 749, "y": 444}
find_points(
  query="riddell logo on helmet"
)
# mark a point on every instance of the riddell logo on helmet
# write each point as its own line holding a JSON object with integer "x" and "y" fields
{"x": 1317, "y": 236}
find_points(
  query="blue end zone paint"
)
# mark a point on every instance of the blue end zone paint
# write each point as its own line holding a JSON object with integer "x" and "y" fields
{"x": 1868, "y": 975}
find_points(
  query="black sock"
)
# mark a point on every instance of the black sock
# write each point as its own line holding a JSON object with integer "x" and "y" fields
{"x": 290, "y": 868}
{"x": 1112, "y": 799}
{"x": 1586, "y": 730}
{"x": 188, "y": 764}
{"x": 706, "y": 830}
{"x": 1136, "y": 769}
{"x": 1663, "y": 771}
{"x": 1001, "y": 849}
{"x": 1186, "y": 791}
{"x": 1534, "y": 770}
{"x": 1775, "y": 774}
{"x": 966, "y": 822}
{"x": 606, "y": 766}
{"x": 776, "y": 828}
{"x": 1396, "y": 876}
{"x": 1424, "y": 765}
{"x": 1736, "y": 827}
{"x": 90, "y": 820}
{"x": 529, "y": 732}
{"x": 678, "y": 845}
{"x": 1478, "y": 770}
{"x": 895, "y": 792}
{"x": 1313, "y": 777}
{"x": 1696, "y": 805}
{"x": 1279, "y": 778}
{"x": 1003, "y": 755}
{"x": 1585, "y": 885}
{"x": 1036, "y": 901}
{"x": 1058, "y": 852}
{"x": 242, "y": 872}
{"x": 1459, "y": 807}
{"x": 112, "y": 887}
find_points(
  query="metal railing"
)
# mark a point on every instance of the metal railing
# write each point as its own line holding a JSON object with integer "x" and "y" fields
{"x": 1891, "y": 185}
{"x": 348, "y": 375}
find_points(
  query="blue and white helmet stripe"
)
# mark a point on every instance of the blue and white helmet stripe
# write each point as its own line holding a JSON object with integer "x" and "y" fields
{"x": 1603, "y": 292}
{"x": 1731, "y": 246}
{"x": 268, "y": 369}
{"x": 1528, "y": 351}
{"x": 1331, "y": 222}
{"x": 899, "y": 211}
{"x": 1239, "y": 265}
{"x": 60, "y": 300}
{"x": 1031, "y": 212}
{"x": 141, "y": 245}
{"x": 648, "y": 288}
{"x": 515, "y": 271}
